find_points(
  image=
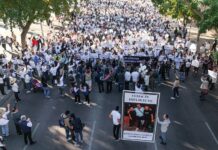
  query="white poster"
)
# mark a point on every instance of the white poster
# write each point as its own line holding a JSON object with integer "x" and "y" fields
{"x": 139, "y": 115}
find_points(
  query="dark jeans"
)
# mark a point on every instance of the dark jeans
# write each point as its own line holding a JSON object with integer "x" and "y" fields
{"x": 16, "y": 96}
{"x": 126, "y": 85}
{"x": 7, "y": 81}
{"x": 120, "y": 86}
{"x": 101, "y": 86}
{"x": 2, "y": 89}
{"x": 77, "y": 98}
{"x": 139, "y": 120}
{"x": 29, "y": 136}
{"x": 109, "y": 86}
{"x": 175, "y": 91}
{"x": 18, "y": 129}
{"x": 87, "y": 98}
{"x": 116, "y": 129}
{"x": 3, "y": 148}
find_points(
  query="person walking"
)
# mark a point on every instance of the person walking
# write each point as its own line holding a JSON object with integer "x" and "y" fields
{"x": 77, "y": 127}
{"x": 127, "y": 77}
{"x": 115, "y": 116}
{"x": 175, "y": 89}
{"x": 99, "y": 79}
{"x": 2, "y": 88}
{"x": 16, "y": 118}
{"x": 75, "y": 90}
{"x": 164, "y": 128}
{"x": 44, "y": 81}
{"x": 204, "y": 88}
{"x": 61, "y": 85}
{"x": 85, "y": 90}
{"x": 4, "y": 121}
{"x": 67, "y": 127}
{"x": 15, "y": 89}
{"x": 26, "y": 125}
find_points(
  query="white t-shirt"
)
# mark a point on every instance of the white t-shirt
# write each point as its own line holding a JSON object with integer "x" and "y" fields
{"x": 135, "y": 76}
{"x": 115, "y": 117}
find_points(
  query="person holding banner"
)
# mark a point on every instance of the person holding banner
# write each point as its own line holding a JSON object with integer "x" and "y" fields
{"x": 115, "y": 116}
{"x": 164, "y": 128}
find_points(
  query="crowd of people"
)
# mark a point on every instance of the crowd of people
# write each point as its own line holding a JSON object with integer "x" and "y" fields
{"x": 93, "y": 47}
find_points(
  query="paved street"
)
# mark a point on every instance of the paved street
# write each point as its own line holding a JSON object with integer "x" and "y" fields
{"x": 194, "y": 122}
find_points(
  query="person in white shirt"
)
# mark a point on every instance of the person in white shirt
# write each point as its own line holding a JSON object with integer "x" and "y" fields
{"x": 15, "y": 89}
{"x": 135, "y": 77}
{"x": 27, "y": 80}
{"x": 61, "y": 85}
{"x": 53, "y": 72}
{"x": 115, "y": 115}
{"x": 4, "y": 121}
{"x": 164, "y": 127}
{"x": 127, "y": 77}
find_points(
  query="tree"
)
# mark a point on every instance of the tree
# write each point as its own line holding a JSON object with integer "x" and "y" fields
{"x": 203, "y": 12}
{"x": 23, "y": 13}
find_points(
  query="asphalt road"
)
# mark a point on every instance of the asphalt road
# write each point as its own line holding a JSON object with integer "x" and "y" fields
{"x": 194, "y": 123}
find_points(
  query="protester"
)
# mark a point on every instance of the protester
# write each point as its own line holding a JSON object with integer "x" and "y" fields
{"x": 164, "y": 128}
{"x": 15, "y": 89}
{"x": 4, "y": 121}
{"x": 16, "y": 118}
{"x": 26, "y": 125}
{"x": 115, "y": 116}
{"x": 175, "y": 89}
{"x": 204, "y": 87}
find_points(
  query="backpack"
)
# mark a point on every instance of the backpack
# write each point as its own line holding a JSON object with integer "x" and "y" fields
{"x": 61, "y": 121}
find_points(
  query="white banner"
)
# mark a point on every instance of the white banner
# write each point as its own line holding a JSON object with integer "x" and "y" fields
{"x": 139, "y": 113}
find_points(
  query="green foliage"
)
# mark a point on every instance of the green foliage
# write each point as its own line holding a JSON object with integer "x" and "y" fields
{"x": 21, "y": 12}
{"x": 203, "y": 12}
{"x": 210, "y": 16}
{"x": 215, "y": 56}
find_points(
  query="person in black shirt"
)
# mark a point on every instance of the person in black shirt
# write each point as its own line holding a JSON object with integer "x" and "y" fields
{"x": 148, "y": 117}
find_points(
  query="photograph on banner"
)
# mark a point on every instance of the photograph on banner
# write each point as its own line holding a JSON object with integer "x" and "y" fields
{"x": 139, "y": 114}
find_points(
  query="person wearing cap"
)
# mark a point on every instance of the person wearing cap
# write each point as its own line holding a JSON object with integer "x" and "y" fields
{"x": 175, "y": 89}
{"x": 115, "y": 116}
{"x": 15, "y": 89}
{"x": 26, "y": 125}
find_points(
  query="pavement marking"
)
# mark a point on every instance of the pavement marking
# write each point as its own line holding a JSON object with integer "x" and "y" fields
{"x": 34, "y": 132}
{"x": 211, "y": 132}
{"x": 92, "y": 134}
{"x": 155, "y": 146}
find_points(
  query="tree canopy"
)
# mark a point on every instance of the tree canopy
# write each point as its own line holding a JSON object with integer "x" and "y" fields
{"x": 203, "y": 12}
{"x": 23, "y": 13}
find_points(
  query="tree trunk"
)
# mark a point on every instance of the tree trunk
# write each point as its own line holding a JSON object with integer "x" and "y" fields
{"x": 198, "y": 41}
{"x": 25, "y": 30}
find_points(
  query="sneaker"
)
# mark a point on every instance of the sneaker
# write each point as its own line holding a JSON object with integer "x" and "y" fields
{"x": 77, "y": 145}
{"x": 172, "y": 98}
{"x": 69, "y": 139}
{"x": 79, "y": 103}
{"x": 28, "y": 92}
{"x": 163, "y": 143}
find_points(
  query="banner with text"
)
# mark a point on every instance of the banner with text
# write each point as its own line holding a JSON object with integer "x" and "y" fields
{"x": 139, "y": 113}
